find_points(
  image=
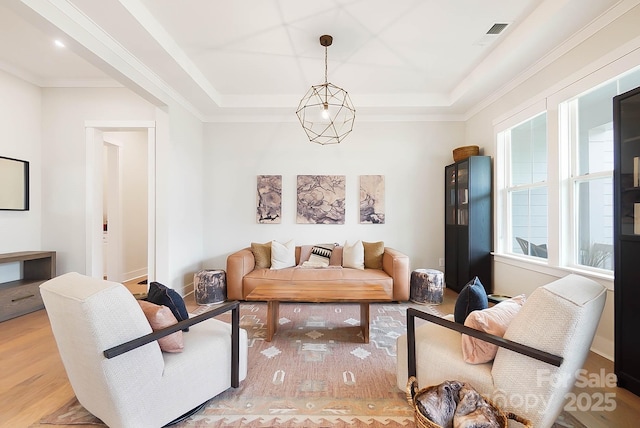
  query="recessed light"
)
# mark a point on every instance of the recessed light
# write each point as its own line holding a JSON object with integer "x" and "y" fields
{"x": 58, "y": 43}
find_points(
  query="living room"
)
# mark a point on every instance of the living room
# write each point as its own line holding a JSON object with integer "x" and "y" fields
{"x": 205, "y": 170}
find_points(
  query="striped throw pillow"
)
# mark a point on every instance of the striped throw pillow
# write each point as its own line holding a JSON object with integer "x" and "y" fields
{"x": 321, "y": 253}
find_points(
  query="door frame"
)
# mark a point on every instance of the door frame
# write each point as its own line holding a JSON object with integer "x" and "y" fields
{"x": 94, "y": 192}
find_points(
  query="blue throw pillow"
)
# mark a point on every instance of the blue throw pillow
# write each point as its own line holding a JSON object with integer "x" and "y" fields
{"x": 162, "y": 295}
{"x": 472, "y": 297}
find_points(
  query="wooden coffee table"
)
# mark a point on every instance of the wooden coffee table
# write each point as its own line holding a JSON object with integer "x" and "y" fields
{"x": 274, "y": 294}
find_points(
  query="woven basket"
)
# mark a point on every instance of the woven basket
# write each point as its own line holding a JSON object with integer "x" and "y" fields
{"x": 423, "y": 422}
{"x": 461, "y": 153}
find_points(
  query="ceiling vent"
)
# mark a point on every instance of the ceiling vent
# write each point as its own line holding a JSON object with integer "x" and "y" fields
{"x": 497, "y": 28}
{"x": 491, "y": 35}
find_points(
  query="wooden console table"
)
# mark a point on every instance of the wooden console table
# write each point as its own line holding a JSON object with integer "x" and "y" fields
{"x": 22, "y": 296}
{"x": 274, "y": 294}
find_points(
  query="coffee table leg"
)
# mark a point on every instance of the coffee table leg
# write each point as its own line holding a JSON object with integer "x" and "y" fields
{"x": 273, "y": 307}
{"x": 364, "y": 321}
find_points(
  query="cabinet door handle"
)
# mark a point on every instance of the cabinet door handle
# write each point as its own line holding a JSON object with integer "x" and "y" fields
{"x": 22, "y": 298}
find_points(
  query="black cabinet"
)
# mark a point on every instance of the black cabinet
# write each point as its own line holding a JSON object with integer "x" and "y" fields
{"x": 468, "y": 222}
{"x": 626, "y": 125}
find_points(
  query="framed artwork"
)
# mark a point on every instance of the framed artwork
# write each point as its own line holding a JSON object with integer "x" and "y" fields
{"x": 269, "y": 199}
{"x": 321, "y": 199}
{"x": 372, "y": 199}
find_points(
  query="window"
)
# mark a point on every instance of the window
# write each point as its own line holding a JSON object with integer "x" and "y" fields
{"x": 524, "y": 193}
{"x": 554, "y": 174}
{"x": 589, "y": 120}
{"x": 590, "y": 123}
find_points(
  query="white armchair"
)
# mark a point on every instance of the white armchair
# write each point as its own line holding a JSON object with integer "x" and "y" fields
{"x": 542, "y": 351}
{"x": 114, "y": 362}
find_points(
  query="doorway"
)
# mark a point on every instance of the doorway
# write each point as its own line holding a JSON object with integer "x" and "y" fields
{"x": 125, "y": 206}
{"x": 117, "y": 168}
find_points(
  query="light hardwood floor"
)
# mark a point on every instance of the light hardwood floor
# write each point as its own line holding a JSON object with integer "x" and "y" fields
{"x": 33, "y": 382}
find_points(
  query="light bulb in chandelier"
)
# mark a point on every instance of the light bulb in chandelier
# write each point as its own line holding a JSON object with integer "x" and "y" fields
{"x": 325, "y": 110}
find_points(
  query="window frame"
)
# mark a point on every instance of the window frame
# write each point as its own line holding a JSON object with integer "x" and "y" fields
{"x": 569, "y": 137}
{"x": 503, "y": 204}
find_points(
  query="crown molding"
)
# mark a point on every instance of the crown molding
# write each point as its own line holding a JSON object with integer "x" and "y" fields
{"x": 613, "y": 13}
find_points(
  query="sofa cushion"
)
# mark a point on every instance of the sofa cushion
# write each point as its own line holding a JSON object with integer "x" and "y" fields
{"x": 334, "y": 260}
{"x": 373, "y": 252}
{"x": 353, "y": 255}
{"x": 336, "y": 256}
{"x": 323, "y": 277}
{"x": 283, "y": 255}
{"x": 321, "y": 254}
{"x": 261, "y": 254}
{"x": 472, "y": 297}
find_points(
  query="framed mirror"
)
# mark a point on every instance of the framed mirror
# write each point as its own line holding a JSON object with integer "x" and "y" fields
{"x": 14, "y": 184}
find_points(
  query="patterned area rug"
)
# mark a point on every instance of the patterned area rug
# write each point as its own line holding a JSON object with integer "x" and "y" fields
{"x": 317, "y": 372}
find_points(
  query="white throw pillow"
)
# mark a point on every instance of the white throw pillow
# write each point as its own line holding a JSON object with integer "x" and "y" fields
{"x": 353, "y": 255}
{"x": 283, "y": 255}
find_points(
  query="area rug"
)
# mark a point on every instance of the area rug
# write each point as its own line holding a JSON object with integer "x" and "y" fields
{"x": 317, "y": 372}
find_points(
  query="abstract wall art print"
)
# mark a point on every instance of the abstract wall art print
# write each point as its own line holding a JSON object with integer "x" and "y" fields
{"x": 269, "y": 199}
{"x": 372, "y": 199}
{"x": 321, "y": 199}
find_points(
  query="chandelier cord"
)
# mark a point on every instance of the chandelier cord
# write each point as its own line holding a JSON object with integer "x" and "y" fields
{"x": 325, "y": 65}
{"x": 326, "y": 80}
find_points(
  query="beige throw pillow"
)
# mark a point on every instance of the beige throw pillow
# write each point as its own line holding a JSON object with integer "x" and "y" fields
{"x": 494, "y": 320}
{"x": 159, "y": 317}
{"x": 373, "y": 252}
{"x": 262, "y": 254}
{"x": 353, "y": 255}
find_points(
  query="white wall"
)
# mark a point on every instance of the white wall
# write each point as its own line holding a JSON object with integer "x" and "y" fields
{"x": 178, "y": 187}
{"x": 614, "y": 46}
{"x": 411, "y": 156}
{"x": 179, "y": 190}
{"x": 20, "y": 123}
{"x": 64, "y": 112}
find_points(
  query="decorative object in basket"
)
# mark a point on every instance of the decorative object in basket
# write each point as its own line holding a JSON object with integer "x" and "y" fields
{"x": 461, "y": 153}
{"x": 455, "y": 404}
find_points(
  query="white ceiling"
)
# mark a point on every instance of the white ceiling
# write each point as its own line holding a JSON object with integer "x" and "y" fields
{"x": 234, "y": 59}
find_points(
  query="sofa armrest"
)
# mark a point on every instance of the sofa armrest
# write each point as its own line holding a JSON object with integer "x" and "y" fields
{"x": 396, "y": 265}
{"x": 239, "y": 264}
{"x": 529, "y": 351}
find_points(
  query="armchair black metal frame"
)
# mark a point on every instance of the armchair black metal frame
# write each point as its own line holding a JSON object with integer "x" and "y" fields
{"x": 233, "y": 306}
{"x": 496, "y": 340}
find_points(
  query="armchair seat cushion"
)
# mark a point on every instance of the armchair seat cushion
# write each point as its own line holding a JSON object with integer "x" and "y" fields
{"x": 207, "y": 346}
{"x": 445, "y": 360}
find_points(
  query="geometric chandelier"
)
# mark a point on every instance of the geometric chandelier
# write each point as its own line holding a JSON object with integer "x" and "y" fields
{"x": 326, "y": 112}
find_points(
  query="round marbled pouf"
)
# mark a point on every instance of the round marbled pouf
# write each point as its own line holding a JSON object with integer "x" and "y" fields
{"x": 210, "y": 286}
{"x": 427, "y": 286}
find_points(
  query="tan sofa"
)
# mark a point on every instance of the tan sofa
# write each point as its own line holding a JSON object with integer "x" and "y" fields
{"x": 243, "y": 277}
